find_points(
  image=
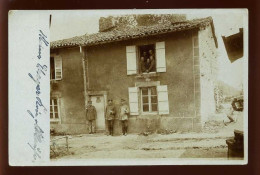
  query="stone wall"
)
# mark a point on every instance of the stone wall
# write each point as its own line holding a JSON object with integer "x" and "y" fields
{"x": 71, "y": 93}
{"x": 107, "y": 71}
{"x": 208, "y": 72}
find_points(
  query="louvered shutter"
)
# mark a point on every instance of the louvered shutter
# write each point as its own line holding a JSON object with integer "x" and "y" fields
{"x": 163, "y": 103}
{"x": 160, "y": 57}
{"x": 58, "y": 67}
{"x": 133, "y": 100}
{"x": 131, "y": 56}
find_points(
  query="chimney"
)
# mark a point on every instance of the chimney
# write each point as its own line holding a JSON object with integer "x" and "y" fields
{"x": 111, "y": 22}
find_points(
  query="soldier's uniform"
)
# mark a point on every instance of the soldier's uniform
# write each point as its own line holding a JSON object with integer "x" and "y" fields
{"x": 143, "y": 68}
{"x": 110, "y": 116}
{"x": 151, "y": 67}
{"x": 123, "y": 116}
{"x": 91, "y": 115}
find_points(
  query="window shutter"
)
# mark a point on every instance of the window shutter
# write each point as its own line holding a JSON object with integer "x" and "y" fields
{"x": 160, "y": 57}
{"x": 58, "y": 67}
{"x": 163, "y": 103}
{"x": 131, "y": 60}
{"x": 133, "y": 100}
{"x": 58, "y": 103}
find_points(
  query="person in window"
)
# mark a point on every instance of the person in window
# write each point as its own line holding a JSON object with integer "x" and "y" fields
{"x": 147, "y": 65}
{"x": 91, "y": 115}
{"x": 145, "y": 55}
{"x": 123, "y": 116}
{"x": 110, "y": 116}
{"x": 143, "y": 68}
{"x": 151, "y": 53}
{"x": 150, "y": 64}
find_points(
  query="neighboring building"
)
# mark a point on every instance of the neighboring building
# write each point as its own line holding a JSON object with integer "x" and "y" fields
{"x": 177, "y": 94}
{"x": 234, "y": 45}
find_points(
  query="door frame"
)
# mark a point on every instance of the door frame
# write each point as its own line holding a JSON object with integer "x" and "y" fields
{"x": 99, "y": 93}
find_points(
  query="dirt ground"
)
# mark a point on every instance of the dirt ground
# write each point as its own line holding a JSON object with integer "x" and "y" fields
{"x": 210, "y": 143}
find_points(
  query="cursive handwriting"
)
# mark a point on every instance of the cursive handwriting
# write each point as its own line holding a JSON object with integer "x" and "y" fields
{"x": 39, "y": 107}
{"x": 38, "y": 136}
{"x": 42, "y": 39}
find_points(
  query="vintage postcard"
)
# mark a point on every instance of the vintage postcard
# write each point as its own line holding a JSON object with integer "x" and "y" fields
{"x": 128, "y": 87}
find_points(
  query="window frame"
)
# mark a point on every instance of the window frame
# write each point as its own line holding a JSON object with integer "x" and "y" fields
{"x": 55, "y": 57}
{"x": 149, "y": 95}
{"x": 139, "y": 71}
{"x": 52, "y": 105}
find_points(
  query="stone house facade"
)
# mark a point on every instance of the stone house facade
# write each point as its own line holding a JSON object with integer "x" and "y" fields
{"x": 177, "y": 95}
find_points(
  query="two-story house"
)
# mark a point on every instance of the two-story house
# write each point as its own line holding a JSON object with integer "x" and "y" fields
{"x": 177, "y": 93}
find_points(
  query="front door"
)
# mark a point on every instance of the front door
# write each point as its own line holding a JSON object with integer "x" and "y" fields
{"x": 99, "y": 103}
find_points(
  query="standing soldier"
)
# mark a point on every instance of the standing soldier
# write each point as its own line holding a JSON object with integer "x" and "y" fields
{"x": 91, "y": 115}
{"x": 123, "y": 116}
{"x": 110, "y": 116}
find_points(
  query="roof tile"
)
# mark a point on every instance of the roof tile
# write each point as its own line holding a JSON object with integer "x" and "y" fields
{"x": 126, "y": 33}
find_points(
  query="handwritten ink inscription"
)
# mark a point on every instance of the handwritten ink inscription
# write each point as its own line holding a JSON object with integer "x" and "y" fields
{"x": 39, "y": 107}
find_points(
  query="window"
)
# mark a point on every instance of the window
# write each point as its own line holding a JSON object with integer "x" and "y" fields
{"x": 139, "y": 58}
{"x": 56, "y": 68}
{"x": 147, "y": 59}
{"x": 54, "y": 109}
{"x": 149, "y": 99}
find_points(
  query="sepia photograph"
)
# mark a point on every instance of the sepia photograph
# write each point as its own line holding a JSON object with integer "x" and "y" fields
{"x": 126, "y": 85}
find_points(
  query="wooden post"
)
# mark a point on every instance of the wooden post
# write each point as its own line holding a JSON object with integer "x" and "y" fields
{"x": 67, "y": 143}
{"x": 83, "y": 53}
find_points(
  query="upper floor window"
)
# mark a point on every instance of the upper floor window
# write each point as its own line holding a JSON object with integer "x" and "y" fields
{"x": 147, "y": 62}
{"x": 56, "y": 68}
{"x": 146, "y": 58}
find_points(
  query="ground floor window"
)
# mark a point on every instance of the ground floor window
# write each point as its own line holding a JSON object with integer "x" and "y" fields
{"x": 54, "y": 109}
{"x": 149, "y": 100}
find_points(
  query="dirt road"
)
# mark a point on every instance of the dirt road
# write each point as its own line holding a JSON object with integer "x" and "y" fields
{"x": 211, "y": 143}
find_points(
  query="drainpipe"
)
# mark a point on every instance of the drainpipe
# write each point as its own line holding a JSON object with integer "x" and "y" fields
{"x": 82, "y": 51}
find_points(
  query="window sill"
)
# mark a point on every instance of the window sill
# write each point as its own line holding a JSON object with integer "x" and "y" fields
{"x": 55, "y": 120}
{"x": 149, "y": 113}
{"x": 147, "y": 75}
{"x": 54, "y": 80}
{"x": 146, "y": 116}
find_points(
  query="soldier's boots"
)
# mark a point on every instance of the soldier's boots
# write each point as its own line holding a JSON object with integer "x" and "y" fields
{"x": 125, "y": 131}
{"x": 111, "y": 131}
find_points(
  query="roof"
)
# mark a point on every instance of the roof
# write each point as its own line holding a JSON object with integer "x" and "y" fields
{"x": 121, "y": 34}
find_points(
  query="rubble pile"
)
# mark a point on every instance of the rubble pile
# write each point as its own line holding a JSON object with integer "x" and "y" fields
{"x": 213, "y": 126}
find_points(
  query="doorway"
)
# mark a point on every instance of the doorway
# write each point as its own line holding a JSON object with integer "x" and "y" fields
{"x": 99, "y": 102}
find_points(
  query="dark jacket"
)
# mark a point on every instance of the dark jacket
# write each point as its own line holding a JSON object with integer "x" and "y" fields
{"x": 151, "y": 67}
{"x": 110, "y": 112}
{"x": 91, "y": 113}
{"x": 143, "y": 68}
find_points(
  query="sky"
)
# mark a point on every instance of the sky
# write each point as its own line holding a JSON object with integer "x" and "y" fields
{"x": 67, "y": 24}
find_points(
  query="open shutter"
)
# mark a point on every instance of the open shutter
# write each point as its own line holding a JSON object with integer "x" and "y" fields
{"x": 163, "y": 104}
{"x": 58, "y": 67}
{"x": 131, "y": 60}
{"x": 133, "y": 100}
{"x": 160, "y": 57}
